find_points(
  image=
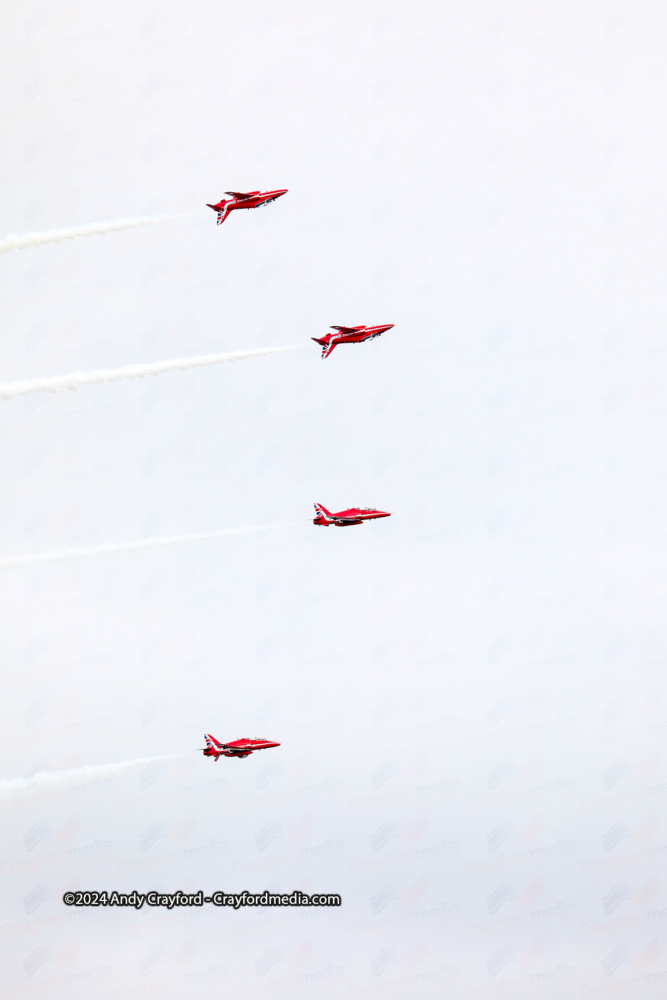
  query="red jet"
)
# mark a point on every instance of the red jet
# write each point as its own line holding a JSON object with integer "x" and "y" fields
{"x": 348, "y": 335}
{"x": 239, "y": 748}
{"x": 236, "y": 199}
{"x": 355, "y": 515}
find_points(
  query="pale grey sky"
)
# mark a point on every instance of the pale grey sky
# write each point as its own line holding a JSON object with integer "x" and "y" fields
{"x": 468, "y": 694}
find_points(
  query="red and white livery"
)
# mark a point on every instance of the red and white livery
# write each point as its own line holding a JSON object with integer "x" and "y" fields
{"x": 355, "y": 515}
{"x": 238, "y": 748}
{"x": 237, "y": 199}
{"x": 349, "y": 335}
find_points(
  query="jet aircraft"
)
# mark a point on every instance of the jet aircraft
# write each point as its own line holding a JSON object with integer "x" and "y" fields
{"x": 236, "y": 199}
{"x": 238, "y": 748}
{"x": 348, "y": 335}
{"x": 355, "y": 515}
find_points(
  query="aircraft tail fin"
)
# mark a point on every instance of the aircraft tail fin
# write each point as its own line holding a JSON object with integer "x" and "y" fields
{"x": 223, "y": 211}
{"x": 323, "y": 516}
{"x": 211, "y": 742}
{"x": 326, "y": 345}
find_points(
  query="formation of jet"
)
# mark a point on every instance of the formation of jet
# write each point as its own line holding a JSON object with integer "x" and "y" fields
{"x": 355, "y": 515}
{"x": 348, "y": 335}
{"x": 238, "y": 748}
{"x": 324, "y": 517}
{"x": 236, "y": 199}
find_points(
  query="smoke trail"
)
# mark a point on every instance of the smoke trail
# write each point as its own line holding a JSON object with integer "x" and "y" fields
{"x": 46, "y": 780}
{"x": 8, "y": 390}
{"x": 12, "y": 562}
{"x": 14, "y": 242}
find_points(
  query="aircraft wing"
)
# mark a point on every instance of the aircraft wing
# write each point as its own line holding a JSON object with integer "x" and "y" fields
{"x": 347, "y": 329}
{"x": 241, "y": 194}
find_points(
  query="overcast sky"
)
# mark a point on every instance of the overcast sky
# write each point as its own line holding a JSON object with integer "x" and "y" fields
{"x": 467, "y": 694}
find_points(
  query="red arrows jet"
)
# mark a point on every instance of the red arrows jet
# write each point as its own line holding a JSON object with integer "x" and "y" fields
{"x": 239, "y": 748}
{"x": 355, "y": 515}
{"x": 348, "y": 335}
{"x": 236, "y": 199}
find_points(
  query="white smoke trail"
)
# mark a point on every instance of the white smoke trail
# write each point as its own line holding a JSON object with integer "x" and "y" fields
{"x": 12, "y": 562}
{"x": 8, "y": 390}
{"x": 15, "y": 242}
{"x": 46, "y": 780}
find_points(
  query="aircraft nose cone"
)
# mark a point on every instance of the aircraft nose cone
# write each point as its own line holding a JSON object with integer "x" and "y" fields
{"x": 279, "y": 194}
